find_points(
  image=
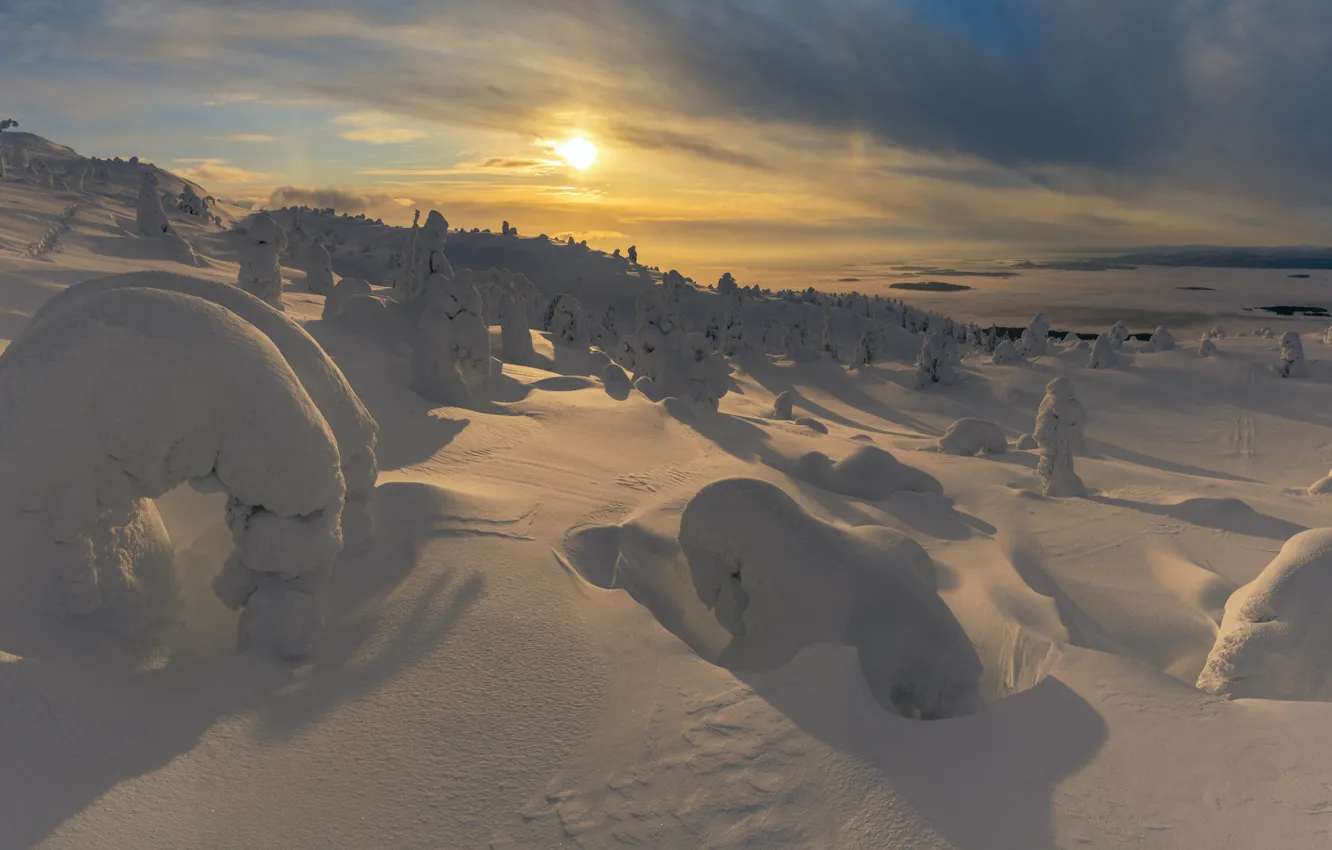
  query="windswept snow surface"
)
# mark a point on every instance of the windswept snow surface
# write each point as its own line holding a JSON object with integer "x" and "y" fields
{"x": 522, "y": 659}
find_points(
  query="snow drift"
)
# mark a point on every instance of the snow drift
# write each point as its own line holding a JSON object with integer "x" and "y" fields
{"x": 868, "y": 473}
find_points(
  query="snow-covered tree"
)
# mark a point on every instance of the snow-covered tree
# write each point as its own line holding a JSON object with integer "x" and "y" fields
{"x": 432, "y": 266}
{"x": 260, "y": 271}
{"x": 660, "y": 333}
{"x": 515, "y": 332}
{"x": 713, "y": 332}
{"x": 606, "y": 333}
{"x": 1292, "y": 357}
{"x": 726, "y": 285}
{"x": 1035, "y": 339}
{"x": 345, "y": 290}
{"x": 1103, "y": 352}
{"x": 318, "y": 269}
{"x": 1060, "y": 423}
{"x": 1162, "y": 340}
{"x": 151, "y": 218}
{"x": 933, "y": 367}
{"x": 568, "y": 323}
{"x": 829, "y": 336}
{"x": 798, "y": 342}
{"x": 733, "y": 331}
{"x": 1119, "y": 334}
{"x": 451, "y": 359}
{"x": 782, "y": 406}
{"x": 972, "y": 437}
{"x": 705, "y": 373}
{"x": 1006, "y": 354}
{"x": 1217, "y": 332}
{"x": 633, "y": 254}
{"x": 78, "y": 176}
{"x": 1206, "y": 348}
{"x": 869, "y": 348}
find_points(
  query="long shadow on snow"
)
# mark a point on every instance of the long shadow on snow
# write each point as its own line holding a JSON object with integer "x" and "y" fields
{"x": 834, "y": 380}
{"x": 71, "y": 735}
{"x": 985, "y": 781}
{"x": 1230, "y": 515}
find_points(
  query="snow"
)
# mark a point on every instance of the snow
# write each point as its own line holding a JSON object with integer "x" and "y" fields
{"x": 868, "y": 473}
{"x": 522, "y": 658}
{"x": 260, "y": 273}
{"x": 1275, "y": 641}
{"x": 343, "y": 291}
{"x": 1292, "y": 363}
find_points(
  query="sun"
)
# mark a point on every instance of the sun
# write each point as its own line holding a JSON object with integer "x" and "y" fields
{"x": 578, "y": 152}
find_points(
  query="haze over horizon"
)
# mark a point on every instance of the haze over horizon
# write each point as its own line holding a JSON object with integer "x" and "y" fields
{"x": 727, "y": 133}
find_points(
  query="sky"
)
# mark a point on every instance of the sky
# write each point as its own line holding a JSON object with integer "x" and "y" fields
{"x": 732, "y": 134}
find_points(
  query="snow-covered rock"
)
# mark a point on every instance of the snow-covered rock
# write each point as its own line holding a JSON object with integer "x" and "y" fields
{"x": 778, "y": 580}
{"x": 971, "y": 437}
{"x": 126, "y": 394}
{"x": 1060, "y": 424}
{"x": 1275, "y": 640}
{"x": 260, "y": 269}
{"x": 1292, "y": 363}
{"x": 868, "y": 473}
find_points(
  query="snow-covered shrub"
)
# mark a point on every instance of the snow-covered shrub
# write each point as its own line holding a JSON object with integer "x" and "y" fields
{"x": 778, "y": 580}
{"x": 1036, "y": 337}
{"x": 1162, "y": 340}
{"x": 1103, "y": 352}
{"x": 705, "y": 373}
{"x": 971, "y": 437}
{"x": 124, "y": 394}
{"x": 515, "y": 334}
{"x": 318, "y": 269}
{"x": 150, "y": 217}
{"x": 781, "y": 406}
{"x": 260, "y": 270}
{"x": 1026, "y": 443}
{"x": 868, "y": 473}
{"x": 1206, "y": 348}
{"x": 1216, "y": 332}
{"x": 1292, "y": 363}
{"x": 354, "y": 429}
{"x": 1275, "y": 640}
{"x": 568, "y": 323}
{"x": 451, "y": 358}
{"x": 1060, "y": 423}
{"x": 933, "y": 367}
{"x": 1006, "y": 354}
{"x": 344, "y": 290}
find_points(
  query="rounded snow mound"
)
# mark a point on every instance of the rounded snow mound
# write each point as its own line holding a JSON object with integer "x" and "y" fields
{"x": 353, "y": 427}
{"x": 971, "y": 437}
{"x": 1275, "y": 640}
{"x": 126, "y": 394}
{"x": 868, "y": 473}
{"x": 779, "y": 580}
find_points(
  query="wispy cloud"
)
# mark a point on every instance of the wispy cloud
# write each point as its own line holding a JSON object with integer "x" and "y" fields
{"x": 228, "y": 98}
{"x": 210, "y": 170}
{"x": 342, "y": 200}
{"x": 376, "y": 128}
{"x": 250, "y": 137}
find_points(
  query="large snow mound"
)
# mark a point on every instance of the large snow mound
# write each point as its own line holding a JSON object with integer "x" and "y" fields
{"x": 868, "y": 473}
{"x": 1275, "y": 640}
{"x": 779, "y": 580}
{"x": 353, "y": 427}
{"x": 130, "y": 392}
{"x": 971, "y": 437}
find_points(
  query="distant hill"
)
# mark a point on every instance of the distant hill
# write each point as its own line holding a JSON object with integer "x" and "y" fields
{"x": 1208, "y": 256}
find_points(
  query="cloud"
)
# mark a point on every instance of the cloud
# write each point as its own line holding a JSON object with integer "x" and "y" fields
{"x": 647, "y": 138}
{"x": 228, "y": 98}
{"x": 375, "y": 128}
{"x": 205, "y": 171}
{"x": 251, "y": 137}
{"x": 342, "y": 200}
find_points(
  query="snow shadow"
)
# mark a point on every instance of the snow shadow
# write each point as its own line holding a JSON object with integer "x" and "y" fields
{"x": 73, "y": 734}
{"x": 1233, "y": 515}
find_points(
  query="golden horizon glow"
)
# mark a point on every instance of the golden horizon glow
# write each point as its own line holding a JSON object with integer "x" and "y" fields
{"x": 578, "y": 153}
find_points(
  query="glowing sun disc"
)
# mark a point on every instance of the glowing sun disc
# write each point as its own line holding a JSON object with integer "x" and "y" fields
{"x": 579, "y": 153}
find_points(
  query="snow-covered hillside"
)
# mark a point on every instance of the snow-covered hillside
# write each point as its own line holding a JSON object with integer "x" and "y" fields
{"x": 590, "y": 610}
